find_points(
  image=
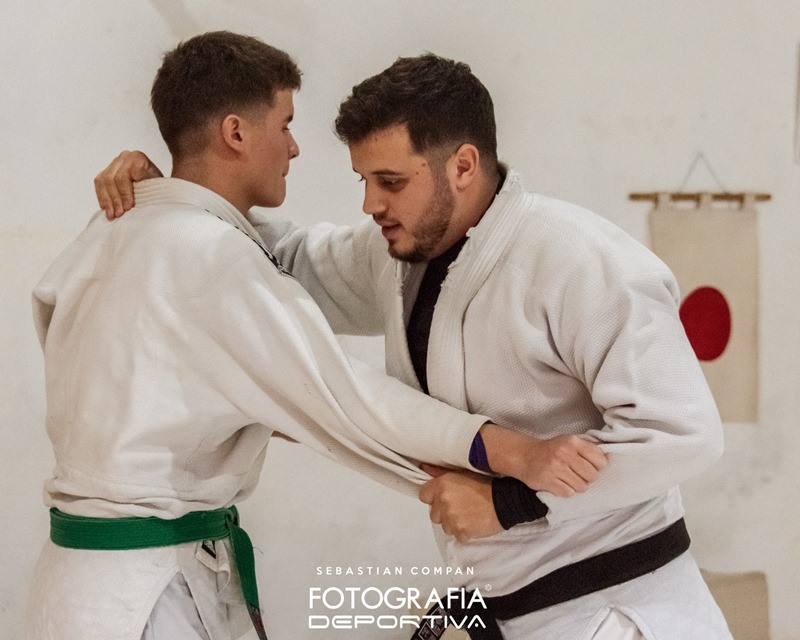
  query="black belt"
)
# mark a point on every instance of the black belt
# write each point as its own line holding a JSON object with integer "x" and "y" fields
{"x": 573, "y": 581}
{"x": 593, "y": 574}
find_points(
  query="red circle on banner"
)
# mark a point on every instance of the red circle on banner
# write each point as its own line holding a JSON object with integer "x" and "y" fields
{"x": 706, "y": 317}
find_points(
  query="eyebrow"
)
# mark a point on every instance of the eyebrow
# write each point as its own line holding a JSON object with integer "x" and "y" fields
{"x": 383, "y": 172}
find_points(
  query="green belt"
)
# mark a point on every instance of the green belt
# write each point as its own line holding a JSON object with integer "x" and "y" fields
{"x": 116, "y": 534}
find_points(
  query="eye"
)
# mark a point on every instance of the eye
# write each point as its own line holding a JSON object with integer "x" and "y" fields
{"x": 392, "y": 184}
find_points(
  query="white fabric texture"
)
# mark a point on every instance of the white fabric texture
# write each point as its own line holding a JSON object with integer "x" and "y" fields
{"x": 552, "y": 321}
{"x": 173, "y": 349}
{"x": 79, "y": 594}
{"x": 175, "y": 615}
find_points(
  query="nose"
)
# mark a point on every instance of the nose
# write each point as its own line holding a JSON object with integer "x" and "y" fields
{"x": 294, "y": 148}
{"x": 374, "y": 204}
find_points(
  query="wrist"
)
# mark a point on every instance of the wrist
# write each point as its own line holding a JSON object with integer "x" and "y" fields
{"x": 505, "y": 449}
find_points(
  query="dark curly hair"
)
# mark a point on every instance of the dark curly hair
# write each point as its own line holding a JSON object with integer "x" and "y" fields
{"x": 213, "y": 74}
{"x": 440, "y": 101}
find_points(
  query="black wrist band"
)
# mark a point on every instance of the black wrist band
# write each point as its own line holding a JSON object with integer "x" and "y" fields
{"x": 515, "y": 502}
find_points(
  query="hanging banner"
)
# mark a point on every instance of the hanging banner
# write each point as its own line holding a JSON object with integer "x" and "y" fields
{"x": 713, "y": 253}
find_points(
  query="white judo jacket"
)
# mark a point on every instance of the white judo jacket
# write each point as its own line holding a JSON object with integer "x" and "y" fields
{"x": 553, "y": 321}
{"x": 174, "y": 345}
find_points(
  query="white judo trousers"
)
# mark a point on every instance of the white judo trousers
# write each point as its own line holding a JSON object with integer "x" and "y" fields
{"x": 174, "y": 346}
{"x": 552, "y": 321}
{"x": 175, "y": 615}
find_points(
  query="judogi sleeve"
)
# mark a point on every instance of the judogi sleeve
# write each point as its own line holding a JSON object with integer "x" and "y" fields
{"x": 618, "y": 331}
{"x": 336, "y": 265}
{"x": 268, "y": 349}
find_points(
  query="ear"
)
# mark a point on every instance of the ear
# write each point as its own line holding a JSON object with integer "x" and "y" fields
{"x": 464, "y": 166}
{"x": 233, "y": 130}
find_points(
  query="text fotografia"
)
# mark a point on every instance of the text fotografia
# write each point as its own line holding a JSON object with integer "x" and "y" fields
{"x": 395, "y": 571}
{"x": 335, "y": 599}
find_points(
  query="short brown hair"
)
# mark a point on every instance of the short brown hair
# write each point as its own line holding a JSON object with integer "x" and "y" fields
{"x": 440, "y": 101}
{"x": 213, "y": 74}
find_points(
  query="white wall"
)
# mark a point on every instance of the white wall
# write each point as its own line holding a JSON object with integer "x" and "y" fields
{"x": 594, "y": 100}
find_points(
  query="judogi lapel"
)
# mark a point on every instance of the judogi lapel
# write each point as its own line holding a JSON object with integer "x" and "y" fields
{"x": 487, "y": 243}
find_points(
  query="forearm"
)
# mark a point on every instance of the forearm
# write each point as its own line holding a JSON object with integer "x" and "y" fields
{"x": 413, "y": 423}
{"x": 563, "y": 465}
{"x": 299, "y": 381}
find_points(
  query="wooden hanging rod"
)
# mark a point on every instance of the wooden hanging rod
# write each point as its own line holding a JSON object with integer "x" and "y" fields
{"x": 729, "y": 197}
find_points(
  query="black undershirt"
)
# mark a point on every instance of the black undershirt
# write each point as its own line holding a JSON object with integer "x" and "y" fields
{"x": 514, "y": 501}
{"x": 419, "y": 323}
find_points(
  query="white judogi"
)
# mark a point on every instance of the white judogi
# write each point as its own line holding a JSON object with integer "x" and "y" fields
{"x": 552, "y": 321}
{"x": 173, "y": 348}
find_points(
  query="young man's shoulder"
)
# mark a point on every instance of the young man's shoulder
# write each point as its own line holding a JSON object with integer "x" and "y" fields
{"x": 185, "y": 229}
{"x": 175, "y": 247}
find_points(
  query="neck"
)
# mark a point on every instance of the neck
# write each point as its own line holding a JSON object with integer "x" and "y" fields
{"x": 474, "y": 205}
{"x": 218, "y": 177}
{"x": 490, "y": 187}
